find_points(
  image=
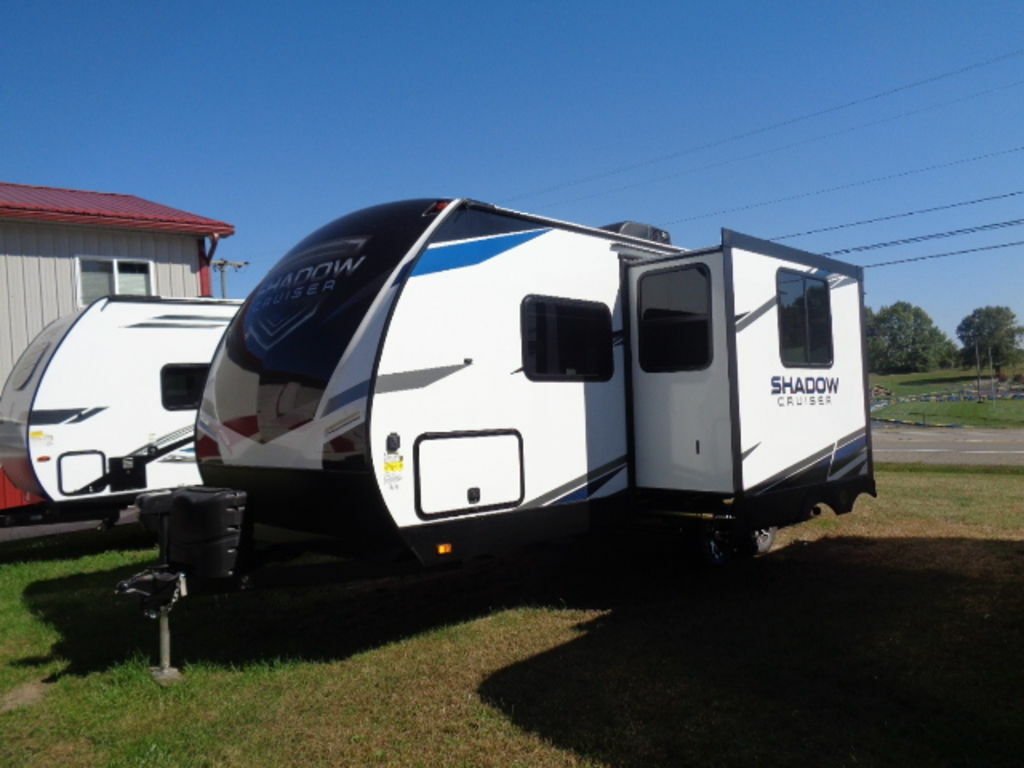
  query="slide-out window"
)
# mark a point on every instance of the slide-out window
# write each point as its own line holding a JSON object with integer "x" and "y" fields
{"x": 805, "y": 320}
{"x": 675, "y": 320}
{"x": 566, "y": 339}
{"x": 181, "y": 385}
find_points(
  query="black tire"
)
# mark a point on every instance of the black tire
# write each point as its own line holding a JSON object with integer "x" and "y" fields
{"x": 763, "y": 539}
{"x": 756, "y": 542}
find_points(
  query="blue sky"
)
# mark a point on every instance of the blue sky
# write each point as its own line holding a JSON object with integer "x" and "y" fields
{"x": 281, "y": 117}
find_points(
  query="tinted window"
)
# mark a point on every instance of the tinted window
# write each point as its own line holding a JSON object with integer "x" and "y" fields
{"x": 805, "y": 320}
{"x": 181, "y": 385}
{"x": 566, "y": 339}
{"x": 675, "y": 320}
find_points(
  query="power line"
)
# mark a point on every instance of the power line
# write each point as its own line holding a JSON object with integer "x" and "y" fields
{"x": 851, "y": 185}
{"x": 791, "y": 145}
{"x": 943, "y": 255}
{"x": 923, "y": 238}
{"x": 892, "y": 216}
{"x": 766, "y": 128}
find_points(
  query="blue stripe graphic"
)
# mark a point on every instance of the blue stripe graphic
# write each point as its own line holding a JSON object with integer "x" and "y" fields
{"x": 588, "y": 490}
{"x": 459, "y": 255}
{"x": 350, "y": 395}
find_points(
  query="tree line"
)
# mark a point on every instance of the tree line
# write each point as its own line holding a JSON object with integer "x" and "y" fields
{"x": 902, "y": 338}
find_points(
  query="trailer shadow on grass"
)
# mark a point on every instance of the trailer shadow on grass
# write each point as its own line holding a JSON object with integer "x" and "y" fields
{"x": 829, "y": 653}
{"x": 68, "y": 546}
{"x": 332, "y": 621}
{"x": 844, "y": 650}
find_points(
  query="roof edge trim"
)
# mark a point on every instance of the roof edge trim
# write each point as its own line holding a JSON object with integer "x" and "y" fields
{"x": 208, "y": 227}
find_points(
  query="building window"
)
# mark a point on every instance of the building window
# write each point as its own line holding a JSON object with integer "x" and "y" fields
{"x": 805, "y": 320}
{"x": 181, "y": 385}
{"x": 675, "y": 320}
{"x": 113, "y": 277}
{"x": 566, "y": 339}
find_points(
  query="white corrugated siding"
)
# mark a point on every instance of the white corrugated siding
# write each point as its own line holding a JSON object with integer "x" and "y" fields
{"x": 37, "y": 273}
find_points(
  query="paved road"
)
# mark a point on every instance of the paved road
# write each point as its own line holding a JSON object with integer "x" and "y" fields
{"x": 934, "y": 445}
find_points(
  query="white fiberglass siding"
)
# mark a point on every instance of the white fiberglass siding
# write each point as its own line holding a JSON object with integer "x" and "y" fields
{"x": 38, "y": 273}
{"x": 778, "y": 431}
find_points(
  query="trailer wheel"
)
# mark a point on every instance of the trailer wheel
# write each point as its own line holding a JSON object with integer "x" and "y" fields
{"x": 756, "y": 542}
{"x": 763, "y": 539}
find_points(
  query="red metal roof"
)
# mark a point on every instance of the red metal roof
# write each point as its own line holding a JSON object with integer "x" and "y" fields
{"x": 101, "y": 209}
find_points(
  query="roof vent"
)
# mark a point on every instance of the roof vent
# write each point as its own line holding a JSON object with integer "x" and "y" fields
{"x": 644, "y": 231}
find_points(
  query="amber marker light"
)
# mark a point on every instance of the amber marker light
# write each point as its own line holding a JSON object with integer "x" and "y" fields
{"x": 444, "y": 549}
{"x": 43, "y": 458}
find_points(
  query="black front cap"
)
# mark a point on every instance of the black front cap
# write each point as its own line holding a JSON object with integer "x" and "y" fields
{"x": 302, "y": 316}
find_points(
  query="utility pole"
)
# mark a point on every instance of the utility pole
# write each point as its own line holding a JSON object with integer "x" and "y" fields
{"x": 992, "y": 366}
{"x": 977, "y": 360}
{"x": 221, "y": 265}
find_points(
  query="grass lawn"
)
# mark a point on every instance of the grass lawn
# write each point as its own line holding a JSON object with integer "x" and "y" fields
{"x": 890, "y": 636}
{"x": 996, "y": 414}
{"x": 930, "y": 382}
{"x": 1002, "y": 413}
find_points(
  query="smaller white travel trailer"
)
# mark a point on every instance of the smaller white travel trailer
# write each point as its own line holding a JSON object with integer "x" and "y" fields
{"x": 441, "y": 379}
{"x": 102, "y": 405}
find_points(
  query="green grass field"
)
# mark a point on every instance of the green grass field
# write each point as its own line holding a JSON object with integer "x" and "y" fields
{"x": 929, "y": 382}
{"x": 998, "y": 414}
{"x": 890, "y": 636}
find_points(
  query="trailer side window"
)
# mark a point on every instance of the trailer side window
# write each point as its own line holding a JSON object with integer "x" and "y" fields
{"x": 566, "y": 339}
{"x": 675, "y": 320}
{"x": 181, "y": 385}
{"x": 805, "y": 320}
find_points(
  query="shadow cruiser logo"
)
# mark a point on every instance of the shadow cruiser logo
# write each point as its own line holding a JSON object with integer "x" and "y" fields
{"x": 294, "y": 292}
{"x": 804, "y": 390}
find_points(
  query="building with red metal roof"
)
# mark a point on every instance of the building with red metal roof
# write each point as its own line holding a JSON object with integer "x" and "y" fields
{"x": 102, "y": 209}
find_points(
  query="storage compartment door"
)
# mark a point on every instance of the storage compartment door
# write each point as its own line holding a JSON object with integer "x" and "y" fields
{"x": 466, "y": 472}
{"x": 77, "y": 469}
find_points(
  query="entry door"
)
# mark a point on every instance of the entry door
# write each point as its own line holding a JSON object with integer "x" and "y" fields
{"x": 682, "y": 432}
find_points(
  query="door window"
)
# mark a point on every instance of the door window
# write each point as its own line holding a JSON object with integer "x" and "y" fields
{"x": 675, "y": 320}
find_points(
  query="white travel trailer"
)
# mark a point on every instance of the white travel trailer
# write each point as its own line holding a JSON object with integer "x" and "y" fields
{"x": 447, "y": 378}
{"x": 102, "y": 404}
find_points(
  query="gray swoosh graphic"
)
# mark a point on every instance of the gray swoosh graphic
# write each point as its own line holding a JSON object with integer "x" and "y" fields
{"x": 752, "y": 316}
{"x": 422, "y": 377}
